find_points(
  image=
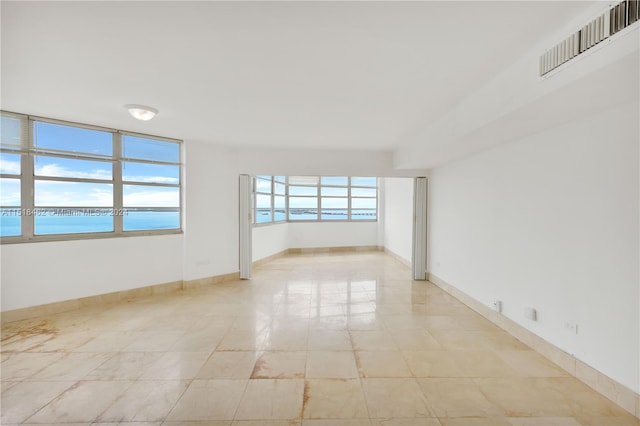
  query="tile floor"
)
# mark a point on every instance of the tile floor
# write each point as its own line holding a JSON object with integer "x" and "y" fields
{"x": 335, "y": 339}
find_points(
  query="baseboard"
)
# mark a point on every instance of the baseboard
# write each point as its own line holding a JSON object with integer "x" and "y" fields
{"x": 118, "y": 296}
{"x": 83, "y": 302}
{"x": 397, "y": 257}
{"x": 319, "y": 250}
{"x": 217, "y": 279}
{"x": 603, "y": 384}
{"x": 260, "y": 262}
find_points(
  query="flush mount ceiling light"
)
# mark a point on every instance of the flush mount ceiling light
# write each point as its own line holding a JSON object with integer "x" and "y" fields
{"x": 141, "y": 112}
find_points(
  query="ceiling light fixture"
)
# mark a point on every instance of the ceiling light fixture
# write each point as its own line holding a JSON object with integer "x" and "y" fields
{"x": 141, "y": 112}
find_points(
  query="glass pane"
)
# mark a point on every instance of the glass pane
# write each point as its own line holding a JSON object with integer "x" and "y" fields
{"x": 156, "y": 173}
{"x": 303, "y": 190}
{"x": 303, "y": 202}
{"x": 263, "y": 215}
{"x": 264, "y": 178}
{"x": 263, "y": 186}
{"x": 67, "y": 167}
{"x": 337, "y": 192}
{"x": 10, "y": 164}
{"x": 263, "y": 201}
{"x": 363, "y": 215}
{"x": 73, "y": 194}
{"x": 281, "y": 179}
{"x": 10, "y": 132}
{"x": 279, "y": 202}
{"x": 364, "y": 181}
{"x": 10, "y": 222}
{"x": 9, "y": 192}
{"x": 72, "y": 221}
{"x": 279, "y": 188}
{"x": 150, "y": 196}
{"x": 335, "y": 203}
{"x": 363, "y": 192}
{"x": 303, "y": 180}
{"x": 328, "y": 214}
{"x": 279, "y": 215}
{"x": 303, "y": 214}
{"x": 149, "y": 219}
{"x": 335, "y": 180}
{"x": 150, "y": 149}
{"x": 363, "y": 203}
{"x": 74, "y": 139}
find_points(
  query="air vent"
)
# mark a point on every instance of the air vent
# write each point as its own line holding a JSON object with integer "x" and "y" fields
{"x": 612, "y": 21}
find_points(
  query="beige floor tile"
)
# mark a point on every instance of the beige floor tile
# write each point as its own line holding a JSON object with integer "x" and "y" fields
{"x": 415, "y": 340}
{"x": 271, "y": 399}
{"x": 24, "y": 365}
{"x": 125, "y": 366}
{"x": 176, "y": 366}
{"x": 238, "y": 340}
{"x": 74, "y": 366}
{"x": 432, "y": 364}
{"x": 286, "y": 340}
{"x": 331, "y": 365}
{"x": 21, "y": 401}
{"x": 544, "y": 421}
{"x": 147, "y": 401}
{"x": 228, "y": 365}
{"x": 457, "y": 398}
{"x": 201, "y": 341}
{"x": 83, "y": 402}
{"x": 152, "y": 341}
{"x": 625, "y": 420}
{"x": 425, "y": 421}
{"x": 378, "y": 340}
{"x": 481, "y": 363}
{"x": 525, "y": 397}
{"x": 207, "y": 423}
{"x": 530, "y": 364}
{"x": 267, "y": 423}
{"x": 334, "y": 399}
{"x": 109, "y": 341}
{"x": 474, "y": 421}
{"x": 206, "y": 400}
{"x": 382, "y": 364}
{"x": 336, "y": 422}
{"x": 391, "y": 398}
{"x": 280, "y": 365}
{"x": 329, "y": 340}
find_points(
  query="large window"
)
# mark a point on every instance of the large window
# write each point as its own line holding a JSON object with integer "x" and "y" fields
{"x": 63, "y": 181}
{"x": 315, "y": 198}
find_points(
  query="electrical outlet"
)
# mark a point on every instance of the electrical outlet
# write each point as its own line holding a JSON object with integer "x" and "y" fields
{"x": 497, "y": 305}
{"x": 571, "y": 326}
{"x": 531, "y": 313}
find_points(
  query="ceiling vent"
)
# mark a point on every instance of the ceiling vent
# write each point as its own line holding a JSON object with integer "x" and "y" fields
{"x": 604, "y": 26}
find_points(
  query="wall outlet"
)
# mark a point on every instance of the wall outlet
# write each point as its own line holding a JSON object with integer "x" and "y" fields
{"x": 497, "y": 305}
{"x": 571, "y": 326}
{"x": 531, "y": 314}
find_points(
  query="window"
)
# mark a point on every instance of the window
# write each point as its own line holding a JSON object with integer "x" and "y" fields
{"x": 63, "y": 181}
{"x": 270, "y": 199}
{"x": 315, "y": 198}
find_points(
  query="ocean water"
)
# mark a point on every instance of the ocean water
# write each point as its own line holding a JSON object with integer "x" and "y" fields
{"x": 10, "y": 224}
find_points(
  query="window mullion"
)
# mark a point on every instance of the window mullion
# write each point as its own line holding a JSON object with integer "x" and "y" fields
{"x": 27, "y": 185}
{"x": 118, "y": 202}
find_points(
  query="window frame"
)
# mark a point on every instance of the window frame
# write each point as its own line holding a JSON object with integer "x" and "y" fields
{"x": 318, "y": 196}
{"x": 28, "y": 153}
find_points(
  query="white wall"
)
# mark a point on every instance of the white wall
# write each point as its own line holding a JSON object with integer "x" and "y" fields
{"x": 269, "y": 240}
{"x": 47, "y": 272}
{"x": 398, "y": 216}
{"x": 551, "y": 222}
{"x": 211, "y": 227}
{"x": 327, "y": 234}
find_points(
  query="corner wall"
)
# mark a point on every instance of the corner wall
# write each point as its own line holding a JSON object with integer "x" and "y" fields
{"x": 398, "y": 217}
{"x": 551, "y": 222}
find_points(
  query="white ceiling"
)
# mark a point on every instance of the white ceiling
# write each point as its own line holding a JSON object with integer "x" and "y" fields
{"x": 334, "y": 75}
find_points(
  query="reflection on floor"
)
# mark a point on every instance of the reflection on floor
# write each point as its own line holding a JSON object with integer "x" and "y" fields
{"x": 335, "y": 339}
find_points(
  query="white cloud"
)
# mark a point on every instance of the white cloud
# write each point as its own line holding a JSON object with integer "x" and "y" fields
{"x": 55, "y": 170}
{"x": 152, "y": 179}
{"x": 10, "y": 167}
{"x": 152, "y": 198}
